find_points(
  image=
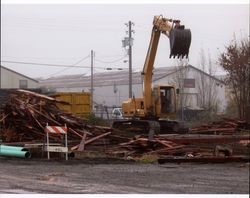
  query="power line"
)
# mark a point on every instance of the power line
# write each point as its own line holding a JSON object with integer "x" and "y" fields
{"x": 70, "y": 67}
{"x": 43, "y": 58}
{"x": 114, "y": 61}
{"x": 43, "y": 64}
{"x": 57, "y": 65}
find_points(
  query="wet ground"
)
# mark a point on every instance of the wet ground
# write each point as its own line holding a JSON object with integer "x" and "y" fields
{"x": 117, "y": 176}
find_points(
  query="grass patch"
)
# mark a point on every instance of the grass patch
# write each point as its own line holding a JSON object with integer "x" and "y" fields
{"x": 147, "y": 158}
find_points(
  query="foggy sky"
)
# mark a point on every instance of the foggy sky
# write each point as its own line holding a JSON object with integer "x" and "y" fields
{"x": 65, "y": 34}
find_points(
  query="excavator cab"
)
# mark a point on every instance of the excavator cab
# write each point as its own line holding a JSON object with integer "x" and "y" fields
{"x": 180, "y": 40}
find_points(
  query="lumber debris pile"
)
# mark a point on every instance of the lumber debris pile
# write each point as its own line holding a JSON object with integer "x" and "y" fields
{"x": 26, "y": 114}
{"x": 141, "y": 145}
{"x": 225, "y": 126}
{"x": 3, "y": 98}
{"x": 187, "y": 146}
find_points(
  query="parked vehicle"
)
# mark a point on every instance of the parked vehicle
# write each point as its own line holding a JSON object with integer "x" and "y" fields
{"x": 117, "y": 113}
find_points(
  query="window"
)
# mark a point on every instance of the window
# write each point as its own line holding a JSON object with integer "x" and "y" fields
{"x": 168, "y": 100}
{"x": 189, "y": 83}
{"x": 23, "y": 84}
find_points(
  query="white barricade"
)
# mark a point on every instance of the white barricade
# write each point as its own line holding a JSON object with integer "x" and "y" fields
{"x": 56, "y": 130}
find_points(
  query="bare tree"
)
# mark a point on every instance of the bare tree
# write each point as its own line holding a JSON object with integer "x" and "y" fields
{"x": 206, "y": 84}
{"x": 184, "y": 99}
{"x": 236, "y": 62}
{"x": 206, "y": 95}
{"x": 201, "y": 81}
{"x": 180, "y": 74}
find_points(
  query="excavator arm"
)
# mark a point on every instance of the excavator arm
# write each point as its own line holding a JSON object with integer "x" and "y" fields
{"x": 180, "y": 40}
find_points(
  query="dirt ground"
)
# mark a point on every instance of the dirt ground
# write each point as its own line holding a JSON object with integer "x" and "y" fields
{"x": 117, "y": 176}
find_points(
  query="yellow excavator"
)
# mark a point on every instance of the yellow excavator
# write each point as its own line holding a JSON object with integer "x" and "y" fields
{"x": 152, "y": 112}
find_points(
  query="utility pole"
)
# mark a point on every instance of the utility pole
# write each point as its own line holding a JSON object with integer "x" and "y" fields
{"x": 0, "y": 76}
{"x": 92, "y": 80}
{"x": 128, "y": 41}
{"x": 130, "y": 60}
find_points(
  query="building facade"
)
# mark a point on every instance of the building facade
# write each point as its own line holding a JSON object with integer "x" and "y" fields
{"x": 11, "y": 79}
{"x": 197, "y": 89}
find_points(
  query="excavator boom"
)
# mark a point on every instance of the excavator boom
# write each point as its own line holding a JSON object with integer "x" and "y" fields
{"x": 180, "y": 39}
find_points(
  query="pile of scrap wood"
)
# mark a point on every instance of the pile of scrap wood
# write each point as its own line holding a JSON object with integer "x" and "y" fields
{"x": 211, "y": 140}
{"x": 3, "y": 98}
{"x": 225, "y": 126}
{"x": 26, "y": 114}
{"x": 188, "y": 145}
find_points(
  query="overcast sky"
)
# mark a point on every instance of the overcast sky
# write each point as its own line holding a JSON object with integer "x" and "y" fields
{"x": 65, "y": 34}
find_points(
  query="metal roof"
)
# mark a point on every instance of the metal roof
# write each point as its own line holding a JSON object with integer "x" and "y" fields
{"x": 108, "y": 78}
{"x": 102, "y": 79}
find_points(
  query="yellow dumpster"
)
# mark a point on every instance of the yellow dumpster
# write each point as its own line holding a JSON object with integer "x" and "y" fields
{"x": 79, "y": 102}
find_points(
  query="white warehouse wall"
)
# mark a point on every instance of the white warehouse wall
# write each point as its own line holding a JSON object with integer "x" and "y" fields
{"x": 10, "y": 79}
{"x": 192, "y": 95}
{"x": 113, "y": 93}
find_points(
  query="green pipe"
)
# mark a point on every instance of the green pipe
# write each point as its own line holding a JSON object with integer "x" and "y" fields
{"x": 15, "y": 148}
{"x": 22, "y": 154}
{"x": 15, "y": 152}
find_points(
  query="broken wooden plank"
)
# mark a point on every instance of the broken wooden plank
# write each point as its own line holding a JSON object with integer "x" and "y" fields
{"x": 82, "y": 143}
{"x": 164, "y": 143}
{"x": 198, "y": 139}
{"x": 166, "y": 149}
{"x": 96, "y": 138}
{"x": 91, "y": 140}
{"x": 213, "y": 130}
{"x": 203, "y": 159}
{"x": 4, "y": 116}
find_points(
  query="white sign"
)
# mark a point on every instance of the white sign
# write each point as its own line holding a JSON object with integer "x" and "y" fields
{"x": 58, "y": 149}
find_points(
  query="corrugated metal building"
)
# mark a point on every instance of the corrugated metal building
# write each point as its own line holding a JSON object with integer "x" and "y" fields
{"x": 111, "y": 88}
{"x": 11, "y": 80}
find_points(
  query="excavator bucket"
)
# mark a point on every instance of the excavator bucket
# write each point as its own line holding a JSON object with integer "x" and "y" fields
{"x": 180, "y": 40}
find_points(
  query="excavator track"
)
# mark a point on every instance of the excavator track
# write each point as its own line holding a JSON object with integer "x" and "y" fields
{"x": 137, "y": 126}
{"x": 149, "y": 127}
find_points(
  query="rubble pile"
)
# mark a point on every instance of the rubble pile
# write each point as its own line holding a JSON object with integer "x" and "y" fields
{"x": 26, "y": 114}
{"x": 187, "y": 146}
{"x": 225, "y": 126}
